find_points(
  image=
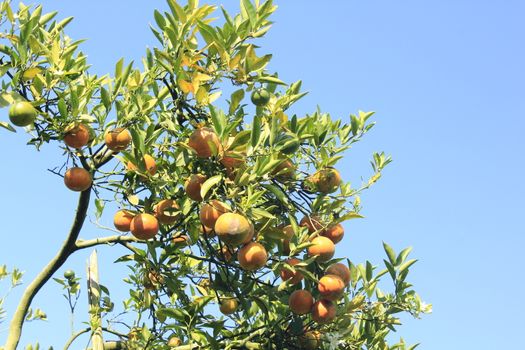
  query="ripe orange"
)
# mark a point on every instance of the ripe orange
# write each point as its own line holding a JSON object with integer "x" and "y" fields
{"x": 288, "y": 232}
{"x": 144, "y": 226}
{"x": 227, "y": 254}
{"x": 335, "y": 233}
{"x": 211, "y": 211}
{"x": 149, "y": 164}
{"x": 301, "y": 302}
{"x": 22, "y": 113}
{"x": 340, "y": 270}
{"x": 326, "y": 180}
{"x": 180, "y": 240}
{"x": 313, "y": 223}
{"x": 77, "y": 179}
{"x": 232, "y": 228}
{"x": 331, "y": 287}
{"x": 310, "y": 340}
{"x": 323, "y": 311}
{"x": 117, "y": 139}
{"x": 252, "y": 256}
{"x": 122, "y": 220}
{"x": 250, "y": 235}
{"x": 167, "y": 211}
{"x": 193, "y": 185}
{"x": 285, "y": 170}
{"x": 289, "y": 275}
{"x": 232, "y": 160}
{"x": 205, "y": 142}
{"x": 77, "y": 135}
{"x": 323, "y": 247}
{"x": 228, "y": 306}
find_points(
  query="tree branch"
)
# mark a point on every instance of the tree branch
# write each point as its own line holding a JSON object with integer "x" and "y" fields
{"x": 68, "y": 247}
{"x": 82, "y": 244}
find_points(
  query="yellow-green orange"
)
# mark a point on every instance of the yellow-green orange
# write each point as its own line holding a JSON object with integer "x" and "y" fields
{"x": 22, "y": 113}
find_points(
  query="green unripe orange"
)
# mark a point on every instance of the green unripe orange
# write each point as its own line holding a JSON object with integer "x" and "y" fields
{"x": 22, "y": 113}
{"x": 260, "y": 97}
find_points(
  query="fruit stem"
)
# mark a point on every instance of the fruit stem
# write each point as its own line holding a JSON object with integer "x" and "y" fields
{"x": 68, "y": 247}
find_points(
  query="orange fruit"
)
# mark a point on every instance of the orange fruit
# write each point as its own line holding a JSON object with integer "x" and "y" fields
{"x": 331, "y": 287}
{"x": 340, "y": 270}
{"x": 252, "y": 256}
{"x": 310, "y": 340}
{"x": 227, "y": 254}
{"x": 290, "y": 276}
{"x": 22, "y": 113}
{"x": 323, "y": 248}
{"x": 232, "y": 228}
{"x": 182, "y": 240}
{"x": 232, "y": 160}
{"x": 335, "y": 233}
{"x": 323, "y": 311}
{"x": 205, "y": 143}
{"x": 122, "y": 220}
{"x": 260, "y": 97}
{"x": 250, "y": 235}
{"x": 167, "y": 211}
{"x": 117, "y": 139}
{"x": 149, "y": 164}
{"x": 144, "y": 226}
{"x": 77, "y": 179}
{"x": 211, "y": 211}
{"x": 174, "y": 341}
{"x": 288, "y": 232}
{"x": 326, "y": 180}
{"x": 228, "y": 306}
{"x": 300, "y": 302}
{"x": 193, "y": 185}
{"x": 77, "y": 135}
{"x": 285, "y": 170}
{"x": 313, "y": 223}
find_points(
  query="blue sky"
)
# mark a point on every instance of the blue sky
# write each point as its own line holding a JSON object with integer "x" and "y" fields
{"x": 446, "y": 80}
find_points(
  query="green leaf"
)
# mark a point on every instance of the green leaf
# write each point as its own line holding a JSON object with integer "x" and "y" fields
{"x": 177, "y": 10}
{"x": 256, "y": 131}
{"x": 270, "y": 79}
{"x": 99, "y": 204}
{"x": 403, "y": 255}
{"x": 236, "y": 99}
{"x": 349, "y": 216}
{"x": 248, "y": 10}
{"x": 277, "y": 192}
{"x": 240, "y": 140}
{"x": 7, "y": 126}
{"x": 208, "y": 184}
{"x": 407, "y": 265}
{"x": 159, "y": 18}
{"x": 390, "y": 253}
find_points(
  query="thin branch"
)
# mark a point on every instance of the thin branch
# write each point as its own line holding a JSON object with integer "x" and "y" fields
{"x": 82, "y": 244}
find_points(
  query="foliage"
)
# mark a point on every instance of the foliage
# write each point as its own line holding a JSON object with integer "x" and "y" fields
{"x": 263, "y": 167}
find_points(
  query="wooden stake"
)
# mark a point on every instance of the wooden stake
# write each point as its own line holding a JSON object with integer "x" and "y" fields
{"x": 93, "y": 287}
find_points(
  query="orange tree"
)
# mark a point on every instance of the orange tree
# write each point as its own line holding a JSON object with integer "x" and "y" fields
{"x": 233, "y": 207}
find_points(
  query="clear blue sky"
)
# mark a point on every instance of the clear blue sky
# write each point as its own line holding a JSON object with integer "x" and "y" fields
{"x": 446, "y": 79}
